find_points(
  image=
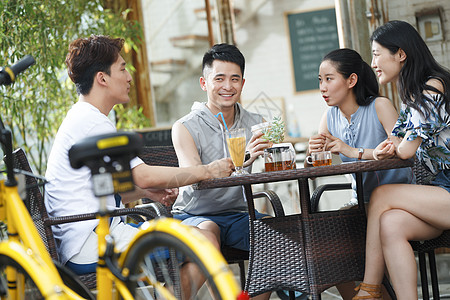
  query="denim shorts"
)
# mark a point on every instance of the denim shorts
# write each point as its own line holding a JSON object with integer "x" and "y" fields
{"x": 234, "y": 227}
{"x": 442, "y": 179}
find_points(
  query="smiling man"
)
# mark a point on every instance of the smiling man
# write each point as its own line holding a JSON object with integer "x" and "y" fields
{"x": 198, "y": 138}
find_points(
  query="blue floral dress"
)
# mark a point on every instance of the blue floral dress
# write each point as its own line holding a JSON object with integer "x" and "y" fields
{"x": 434, "y": 151}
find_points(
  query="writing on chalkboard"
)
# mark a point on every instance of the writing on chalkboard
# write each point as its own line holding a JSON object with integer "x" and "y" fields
{"x": 312, "y": 34}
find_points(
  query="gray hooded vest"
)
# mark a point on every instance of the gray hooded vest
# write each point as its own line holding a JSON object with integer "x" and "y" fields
{"x": 208, "y": 135}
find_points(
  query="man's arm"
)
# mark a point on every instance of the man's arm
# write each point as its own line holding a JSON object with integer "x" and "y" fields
{"x": 185, "y": 146}
{"x": 164, "y": 196}
{"x": 146, "y": 176}
{"x": 191, "y": 169}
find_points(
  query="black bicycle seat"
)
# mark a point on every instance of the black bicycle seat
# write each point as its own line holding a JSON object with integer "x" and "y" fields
{"x": 108, "y": 157}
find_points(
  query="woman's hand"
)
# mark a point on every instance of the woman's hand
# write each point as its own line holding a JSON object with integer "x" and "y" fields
{"x": 316, "y": 143}
{"x": 384, "y": 150}
{"x": 336, "y": 146}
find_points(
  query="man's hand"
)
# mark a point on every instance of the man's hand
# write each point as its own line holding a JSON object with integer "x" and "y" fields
{"x": 256, "y": 147}
{"x": 164, "y": 196}
{"x": 220, "y": 168}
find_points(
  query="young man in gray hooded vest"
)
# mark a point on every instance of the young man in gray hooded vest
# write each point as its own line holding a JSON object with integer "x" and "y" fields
{"x": 221, "y": 214}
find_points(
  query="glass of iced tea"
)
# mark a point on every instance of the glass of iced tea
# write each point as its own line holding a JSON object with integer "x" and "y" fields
{"x": 318, "y": 159}
{"x": 236, "y": 143}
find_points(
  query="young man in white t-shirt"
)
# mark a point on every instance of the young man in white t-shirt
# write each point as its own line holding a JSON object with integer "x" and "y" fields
{"x": 102, "y": 81}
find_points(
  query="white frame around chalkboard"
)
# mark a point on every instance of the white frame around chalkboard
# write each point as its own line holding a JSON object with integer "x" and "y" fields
{"x": 288, "y": 33}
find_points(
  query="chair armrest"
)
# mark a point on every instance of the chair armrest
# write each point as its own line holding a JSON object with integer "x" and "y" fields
{"x": 136, "y": 213}
{"x": 315, "y": 198}
{"x": 157, "y": 207}
{"x": 274, "y": 201}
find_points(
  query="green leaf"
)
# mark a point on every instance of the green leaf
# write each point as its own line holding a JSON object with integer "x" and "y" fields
{"x": 275, "y": 132}
{"x": 35, "y": 105}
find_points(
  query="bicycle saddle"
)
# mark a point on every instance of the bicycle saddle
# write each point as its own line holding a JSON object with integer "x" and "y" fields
{"x": 108, "y": 157}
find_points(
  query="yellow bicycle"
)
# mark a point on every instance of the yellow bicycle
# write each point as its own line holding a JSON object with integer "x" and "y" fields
{"x": 155, "y": 265}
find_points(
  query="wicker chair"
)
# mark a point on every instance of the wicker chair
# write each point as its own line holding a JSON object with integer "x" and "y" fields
{"x": 333, "y": 253}
{"x": 34, "y": 202}
{"x": 422, "y": 248}
{"x": 428, "y": 246}
{"x": 166, "y": 156}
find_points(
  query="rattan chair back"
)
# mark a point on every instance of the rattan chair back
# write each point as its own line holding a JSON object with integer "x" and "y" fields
{"x": 423, "y": 176}
{"x": 34, "y": 202}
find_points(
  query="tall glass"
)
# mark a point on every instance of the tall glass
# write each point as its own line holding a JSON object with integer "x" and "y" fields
{"x": 236, "y": 146}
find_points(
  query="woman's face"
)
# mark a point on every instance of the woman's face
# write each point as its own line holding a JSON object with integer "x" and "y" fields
{"x": 387, "y": 65}
{"x": 333, "y": 86}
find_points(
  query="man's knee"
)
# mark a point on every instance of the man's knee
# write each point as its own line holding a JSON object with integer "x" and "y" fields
{"x": 211, "y": 231}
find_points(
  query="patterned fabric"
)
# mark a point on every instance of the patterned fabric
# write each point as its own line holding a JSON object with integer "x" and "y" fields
{"x": 434, "y": 151}
{"x": 365, "y": 130}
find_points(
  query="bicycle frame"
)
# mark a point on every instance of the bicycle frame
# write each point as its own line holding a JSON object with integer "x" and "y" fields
{"x": 105, "y": 276}
{"x": 25, "y": 245}
{"x": 23, "y": 241}
{"x": 209, "y": 253}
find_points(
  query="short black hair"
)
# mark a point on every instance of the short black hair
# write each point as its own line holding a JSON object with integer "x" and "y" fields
{"x": 88, "y": 56}
{"x": 224, "y": 52}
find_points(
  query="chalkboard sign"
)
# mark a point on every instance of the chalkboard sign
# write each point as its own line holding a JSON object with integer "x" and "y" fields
{"x": 312, "y": 35}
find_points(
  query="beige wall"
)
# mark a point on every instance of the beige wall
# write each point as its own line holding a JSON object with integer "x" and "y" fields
{"x": 264, "y": 41}
{"x": 265, "y": 44}
{"x": 406, "y": 11}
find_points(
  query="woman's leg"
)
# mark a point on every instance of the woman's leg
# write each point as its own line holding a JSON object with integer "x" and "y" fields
{"x": 397, "y": 228}
{"x": 429, "y": 203}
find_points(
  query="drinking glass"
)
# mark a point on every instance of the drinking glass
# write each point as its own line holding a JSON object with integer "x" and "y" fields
{"x": 318, "y": 159}
{"x": 236, "y": 146}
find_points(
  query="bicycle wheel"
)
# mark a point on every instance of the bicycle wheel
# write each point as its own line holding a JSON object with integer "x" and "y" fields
{"x": 24, "y": 287}
{"x": 181, "y": 260}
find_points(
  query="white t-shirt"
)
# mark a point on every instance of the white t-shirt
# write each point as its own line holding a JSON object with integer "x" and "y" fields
{"x": 69, "y": 191}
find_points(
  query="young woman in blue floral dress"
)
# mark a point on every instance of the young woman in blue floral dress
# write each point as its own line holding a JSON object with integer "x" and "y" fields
{"x": 399, "y": 213}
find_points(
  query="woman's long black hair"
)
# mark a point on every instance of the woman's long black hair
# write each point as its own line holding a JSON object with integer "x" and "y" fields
{"x": 347, "y": 62}
{"x": 419, "y": 67}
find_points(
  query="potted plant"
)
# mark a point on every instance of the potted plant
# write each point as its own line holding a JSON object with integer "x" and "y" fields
{"x": 281, "y": 156}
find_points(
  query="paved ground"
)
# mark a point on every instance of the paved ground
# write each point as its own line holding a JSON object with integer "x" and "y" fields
{"x": 443, "y": 267}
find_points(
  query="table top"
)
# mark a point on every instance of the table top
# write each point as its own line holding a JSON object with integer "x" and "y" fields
{"x": 303, "y": 173}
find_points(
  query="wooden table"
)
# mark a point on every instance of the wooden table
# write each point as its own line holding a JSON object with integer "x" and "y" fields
{"x": 307, "y": 252}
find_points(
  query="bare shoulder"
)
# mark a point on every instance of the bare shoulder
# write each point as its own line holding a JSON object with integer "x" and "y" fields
{"x": 383, "y": 103}
{"x": 179, "y": 133}
{"x": 386, "y": 112}
{"x": 178, "y": 128}
{"x": 436, "y": 84}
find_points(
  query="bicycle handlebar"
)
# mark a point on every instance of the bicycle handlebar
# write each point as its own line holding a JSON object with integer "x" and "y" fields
{"x": 8, "y": 74}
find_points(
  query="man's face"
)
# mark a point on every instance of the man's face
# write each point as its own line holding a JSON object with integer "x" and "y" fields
{"x": 119, "y": 82}
{"x": 223, "y": 84}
